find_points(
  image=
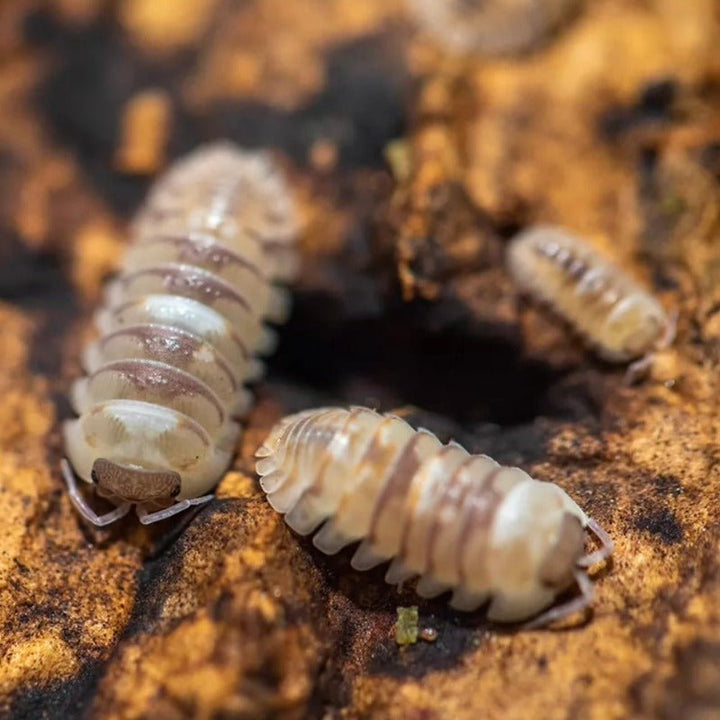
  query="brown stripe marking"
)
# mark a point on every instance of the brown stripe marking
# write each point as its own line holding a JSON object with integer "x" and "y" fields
{"x": 164, "y": 380}
{"x": 402, "y": 554}
{"x": 205, "y": 251}
{"x": 486, "y": 501}
{"x": 315, "y": 433}
{"x": 192, "y": 282}
{"x": 317, "y": 487}
{"x": 445, "y": 502}
{"x": 289, "y": 442}
{"x": 399, "y": 481}
{"x": 171, "y": 345}
{"x": 228, "y": 327}
{"x": 298, "y": 443}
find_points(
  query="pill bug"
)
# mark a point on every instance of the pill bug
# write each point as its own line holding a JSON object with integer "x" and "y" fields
{"x": 491, "y": 27}
{"x": 179, "y": 335}
{"x": 459, "y": 521}
{"x": 609, "y": 309}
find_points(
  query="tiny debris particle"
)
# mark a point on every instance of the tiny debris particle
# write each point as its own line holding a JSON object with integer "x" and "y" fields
{"x": 406, "y": 627}
{"x": 398, "y": 157}
{"x": 144, "y": 134}
{"x": 324, "y": 155}
{"x": 164, "y": 27}
{"x": 428, "y": 634}
{"x": 673, "y": 205}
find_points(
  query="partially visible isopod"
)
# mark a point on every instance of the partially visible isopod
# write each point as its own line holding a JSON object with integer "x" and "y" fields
{"x": 181, "y": 330}
{"x": 491, "y": 27}
{"x": 609, "y": 309}
{"x": 233, "y": 194}
{"x": 461, "y": 522}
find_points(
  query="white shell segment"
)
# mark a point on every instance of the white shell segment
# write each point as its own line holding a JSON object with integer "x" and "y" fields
{"x": 460, "y": 522}
{"x": 179, "y": 348}
{"x": 206, "y": 253}
{"x": 183, "y": 325}
{"x": 196, "y": 284}
{"x": 182, "y": 313}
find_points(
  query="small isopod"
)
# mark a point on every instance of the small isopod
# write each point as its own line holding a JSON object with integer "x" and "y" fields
{"x": 610, "y": 310}
{"x": 491, "y": 27}
{"x": 179, "y": 335}
{"x": 461, "y": 522}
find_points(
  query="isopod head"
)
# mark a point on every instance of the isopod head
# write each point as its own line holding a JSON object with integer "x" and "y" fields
{"x": 639, "y": 325}
{"x": 134, "y": 484}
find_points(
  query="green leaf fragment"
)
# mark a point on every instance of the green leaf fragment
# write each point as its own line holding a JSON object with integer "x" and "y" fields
{"x": 406, "y": 626}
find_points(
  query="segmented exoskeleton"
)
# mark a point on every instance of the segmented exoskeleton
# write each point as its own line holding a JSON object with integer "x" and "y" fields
{"x": 613, "y": 314}
{"x": 491, "y": 27}
{"x": 179, "y": 334}
{"x": 459, "y": 521}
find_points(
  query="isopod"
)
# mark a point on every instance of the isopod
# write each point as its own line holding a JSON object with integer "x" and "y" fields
{"x": 491, "y": 27}
{"x": 179, "y": 335}
{"x": 616, "y": 317}
{"x": 461, "y": 522}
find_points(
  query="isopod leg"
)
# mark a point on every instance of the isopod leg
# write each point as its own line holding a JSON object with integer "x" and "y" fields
{"x": 637, "y": 369}
{"x": 147, "y": 518}
{"x": 576, "y": 605}
{"x": 81, "y": 505}
{"x": 670, "y": 331}
{"x": 605, "y": 541}
{"x": 365, "y": 558}
{"x": 397, "y": 573}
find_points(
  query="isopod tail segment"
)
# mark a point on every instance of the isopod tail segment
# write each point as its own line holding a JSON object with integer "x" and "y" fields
{"x": 641, "y": 366}
{"x": 584, "y": 601}
{"x": 124, "y": 505}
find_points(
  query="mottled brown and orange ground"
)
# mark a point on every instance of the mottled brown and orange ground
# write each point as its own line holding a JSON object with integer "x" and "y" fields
{"x": 412, "y": 170}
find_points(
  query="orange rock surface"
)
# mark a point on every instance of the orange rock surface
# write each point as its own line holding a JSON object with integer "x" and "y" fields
{"x": 412, "y": 168}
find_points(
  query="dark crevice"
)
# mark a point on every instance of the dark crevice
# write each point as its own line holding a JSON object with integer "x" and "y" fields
{"x": 36, "y": 282}
{"x": 360, "y": 109}
{"x": 664, "y": 524}
{"x": 94, "y": 74}
{"x": 654, "y": 105}
{"x": 58, "y": 700}
{"x": 393, "y": 360}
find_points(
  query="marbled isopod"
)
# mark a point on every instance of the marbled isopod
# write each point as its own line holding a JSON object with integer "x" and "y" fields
{"x": 491, "y": 27}
{"x": 179, "y": 335}
{"x": 459, "y": 521}
{"x": 609, "y": 309}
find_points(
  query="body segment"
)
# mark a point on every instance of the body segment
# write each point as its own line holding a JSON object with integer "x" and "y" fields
{"x": 492, "y": 27}
{"x": 460, "y": 522}
{"x": 180, "y": 333}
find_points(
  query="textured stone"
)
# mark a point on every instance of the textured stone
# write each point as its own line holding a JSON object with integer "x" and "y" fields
{"x": 611, "y": 129}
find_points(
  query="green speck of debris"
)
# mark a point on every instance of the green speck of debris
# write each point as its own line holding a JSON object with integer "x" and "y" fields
{"x": 397, "y": 155}
{"x": 406, "y": 627}
{"x": 673, "y": 205}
